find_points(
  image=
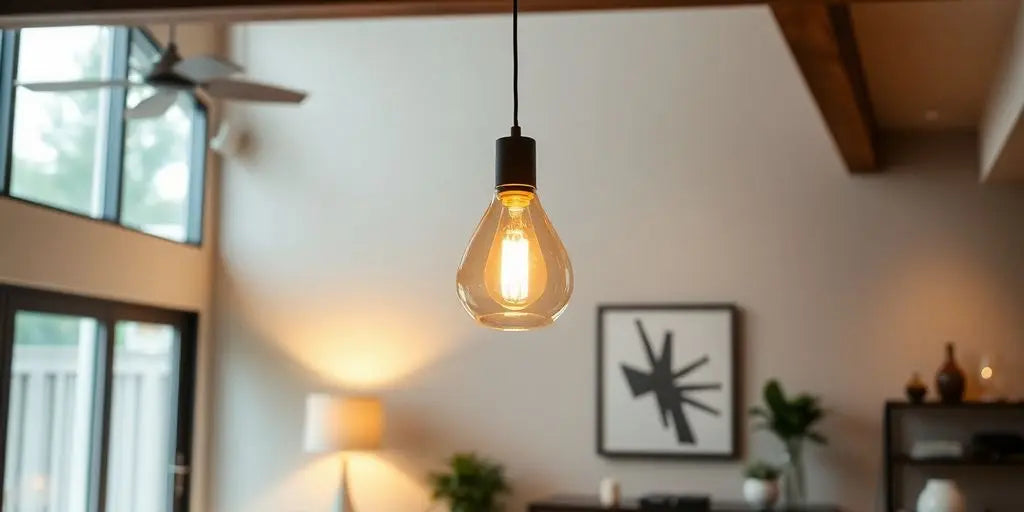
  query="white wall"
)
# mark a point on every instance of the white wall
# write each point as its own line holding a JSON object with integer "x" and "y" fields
{"x": 681, "y": 159}
{"x": 1000, "y": 128}
{"x": 49, "y": 249}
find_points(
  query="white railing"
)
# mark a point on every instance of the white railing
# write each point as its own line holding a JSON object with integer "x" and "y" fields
{"x": 50, "y": 431}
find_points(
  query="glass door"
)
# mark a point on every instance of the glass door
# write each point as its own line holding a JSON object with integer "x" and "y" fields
{"x": 97, "y": 404}
{"x": 51, "y": 412}
{"x": 140, "y": 456}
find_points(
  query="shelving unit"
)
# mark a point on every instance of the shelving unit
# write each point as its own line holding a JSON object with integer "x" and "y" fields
{"x": 570, "y": 503}
{"x": 988, "y": 484}
{"x": 910, "y": 461}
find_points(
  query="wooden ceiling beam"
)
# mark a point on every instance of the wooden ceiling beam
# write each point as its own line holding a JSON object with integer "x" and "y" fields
{"x": 820, "y": 36}
{"x": 25, "y": 13}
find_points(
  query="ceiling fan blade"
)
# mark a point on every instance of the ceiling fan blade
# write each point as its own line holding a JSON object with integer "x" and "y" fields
{"x": 153, "y": 106}
{"x": 252, "y": 91}
{"x": 78, "y": 85}
{"x": 204, "y": 68}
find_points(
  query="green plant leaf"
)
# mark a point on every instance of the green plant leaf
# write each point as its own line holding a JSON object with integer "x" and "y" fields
{"x": 471, "y": 484}
{"x": 762, "y": 471}
{"x": 759, "y": 411}
{"x": 774, "y": 396}
{"x": 787, "y": 418}
{"x": 817, "y": 437}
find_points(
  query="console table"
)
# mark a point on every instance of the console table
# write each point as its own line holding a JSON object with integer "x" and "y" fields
{"x": 591, "y": 504}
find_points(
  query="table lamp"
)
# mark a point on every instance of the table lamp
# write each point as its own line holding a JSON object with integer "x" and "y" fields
{"x": 342, "y": 424}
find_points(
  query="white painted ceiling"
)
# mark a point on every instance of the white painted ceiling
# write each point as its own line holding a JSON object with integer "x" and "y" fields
{"x": 931, "y": 65}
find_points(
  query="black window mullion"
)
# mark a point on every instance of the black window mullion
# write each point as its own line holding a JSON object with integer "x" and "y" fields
{"x": 6, "y": 357}
{"x": 99, "y": 447}
{"x": 8, "y": 68}
{"x": 185, "y": 371}
{"x": 29, "y": 299}
{"x": 114, "y": 165}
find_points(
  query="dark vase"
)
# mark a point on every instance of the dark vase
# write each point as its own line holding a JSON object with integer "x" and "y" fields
{"x": 950, "y": 379}
{"x": 916, "y": 390}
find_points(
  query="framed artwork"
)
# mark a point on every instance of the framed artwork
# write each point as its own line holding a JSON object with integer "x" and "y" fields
{"x": 668, "y": 381}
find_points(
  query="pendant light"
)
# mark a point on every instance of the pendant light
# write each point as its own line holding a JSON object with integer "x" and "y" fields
{"x": 515, "y": 275}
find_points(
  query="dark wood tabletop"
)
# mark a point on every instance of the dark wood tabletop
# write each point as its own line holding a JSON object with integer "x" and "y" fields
{"x": 570, "y": 503}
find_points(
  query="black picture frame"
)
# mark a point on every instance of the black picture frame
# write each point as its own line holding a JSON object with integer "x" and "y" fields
{"x": 734, "y": 398}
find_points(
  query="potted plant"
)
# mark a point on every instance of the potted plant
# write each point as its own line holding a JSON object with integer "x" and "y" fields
{"x": 470, "y": 484}
{"x": 792, "y": 420}
{"x": 761, "y": 486}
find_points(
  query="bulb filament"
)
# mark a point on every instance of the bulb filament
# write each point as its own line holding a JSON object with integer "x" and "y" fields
{"x": 515, "y": 260}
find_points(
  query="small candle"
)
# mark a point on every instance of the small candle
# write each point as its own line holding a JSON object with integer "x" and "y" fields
{"x": 609, "y": 493}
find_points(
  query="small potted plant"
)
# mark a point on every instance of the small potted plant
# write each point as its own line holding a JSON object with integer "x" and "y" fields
{"x": 761, "y": 487}
{"x": 793, "y": 419}
{"x": 470, "y": 484}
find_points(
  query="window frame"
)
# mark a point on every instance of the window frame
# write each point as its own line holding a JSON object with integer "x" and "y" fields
{"x": 115, "y": 130}
{"x": 107, "y": 314}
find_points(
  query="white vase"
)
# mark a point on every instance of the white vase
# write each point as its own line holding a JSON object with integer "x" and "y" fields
{"x": 609, "y": 493}
{"x": 761, "y": 493}
{"x": 941, "y": 495}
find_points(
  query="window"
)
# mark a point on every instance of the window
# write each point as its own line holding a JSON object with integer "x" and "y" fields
{"x": 97, "y": 404}
{"x": 158, "y": 157}
{"x": 76, "y": 152}
{"x": 57, "y": 149}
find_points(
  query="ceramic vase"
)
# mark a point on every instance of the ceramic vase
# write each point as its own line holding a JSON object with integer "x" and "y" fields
{"x": 916, "y": 390}
{"x": 761, "y": 494}
{"x": 941, "y": 495}
{"x": 950, "y": 379}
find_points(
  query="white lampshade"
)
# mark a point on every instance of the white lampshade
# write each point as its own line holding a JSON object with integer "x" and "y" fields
{"x": 336, "y": 424}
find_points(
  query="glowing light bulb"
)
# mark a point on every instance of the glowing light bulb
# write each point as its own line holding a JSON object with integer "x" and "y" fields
{"x": 988, "y": 382}
{"x": 516, "y": 273}
{"x": 515, "y": 267}
{"x": 514, "y": 264}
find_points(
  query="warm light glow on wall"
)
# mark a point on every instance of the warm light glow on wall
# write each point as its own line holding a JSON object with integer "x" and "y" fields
{"x": 351, "y": 349}
{"x": 368, "y": 352}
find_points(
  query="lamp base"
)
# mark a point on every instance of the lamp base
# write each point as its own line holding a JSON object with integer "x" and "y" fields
{"x": 343, "y": 501}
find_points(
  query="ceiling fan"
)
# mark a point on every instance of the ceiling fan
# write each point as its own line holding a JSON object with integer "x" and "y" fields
{"x": 171, "y": 74}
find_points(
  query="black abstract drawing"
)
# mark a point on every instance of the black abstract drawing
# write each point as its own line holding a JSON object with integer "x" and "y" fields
{"x": 661, "y": 380}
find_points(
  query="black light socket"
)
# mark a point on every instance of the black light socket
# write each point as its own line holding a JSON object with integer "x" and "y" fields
{"x": 516, "y": 161}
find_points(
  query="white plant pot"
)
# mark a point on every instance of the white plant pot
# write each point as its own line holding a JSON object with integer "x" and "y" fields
{"x": 761, "y": 493}
{"x": 941, "y": 495}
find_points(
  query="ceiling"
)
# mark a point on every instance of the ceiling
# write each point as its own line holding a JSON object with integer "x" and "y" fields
{"x": 930, "y": 65}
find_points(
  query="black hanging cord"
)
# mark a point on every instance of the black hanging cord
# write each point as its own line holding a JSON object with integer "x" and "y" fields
{"x": 516, "y": 156}
{"x": 515, "y": 63}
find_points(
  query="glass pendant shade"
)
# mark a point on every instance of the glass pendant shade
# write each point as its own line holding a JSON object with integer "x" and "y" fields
{"x": 516, "y": 273}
